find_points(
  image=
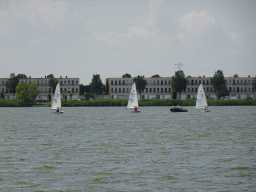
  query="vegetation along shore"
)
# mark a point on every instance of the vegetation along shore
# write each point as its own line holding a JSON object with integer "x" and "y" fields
{"x": 123, "y": 102}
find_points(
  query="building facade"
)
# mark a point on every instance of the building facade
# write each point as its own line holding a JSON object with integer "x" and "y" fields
{"x": 67, "y": 85}
{"x": 160, "y": 87}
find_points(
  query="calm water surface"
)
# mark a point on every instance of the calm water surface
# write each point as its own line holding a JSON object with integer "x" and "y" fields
{"x": 111, "y": 149}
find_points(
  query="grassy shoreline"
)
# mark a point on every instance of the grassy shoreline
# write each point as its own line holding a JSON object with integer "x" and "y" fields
{"x": 143, "y": 102}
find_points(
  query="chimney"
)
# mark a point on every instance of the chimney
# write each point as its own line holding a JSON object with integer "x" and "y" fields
{"x": 29, "y": 77}
{"x": 248, "y": 75}
{"x": 204, "y": 76}
{"x": 60, "y": 76}
{"x": 66, "y": 76}
{"x": 45, "y": 77}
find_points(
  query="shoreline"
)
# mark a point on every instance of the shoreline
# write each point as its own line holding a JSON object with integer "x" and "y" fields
{"x": 121, "y": 102}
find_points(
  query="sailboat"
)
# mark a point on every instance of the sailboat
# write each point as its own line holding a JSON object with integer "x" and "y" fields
{"x": 133, "y": 100}
{"x": 56, "y": 103}
{"x": 201, "y": 102}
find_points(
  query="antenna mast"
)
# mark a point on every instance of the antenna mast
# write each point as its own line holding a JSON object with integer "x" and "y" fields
{"x": 179, "y": 65}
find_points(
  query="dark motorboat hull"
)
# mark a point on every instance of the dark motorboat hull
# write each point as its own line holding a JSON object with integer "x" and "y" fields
{"x": 135, "y": 111}
{"x": 178, "y": 110}
{"x": 59, "y": 112}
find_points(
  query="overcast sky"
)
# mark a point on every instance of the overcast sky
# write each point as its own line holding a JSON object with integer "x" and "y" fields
{"x": 80, "y": 38}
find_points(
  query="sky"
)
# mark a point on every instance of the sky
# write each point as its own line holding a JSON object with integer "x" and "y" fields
{"x": 80, "y": 38}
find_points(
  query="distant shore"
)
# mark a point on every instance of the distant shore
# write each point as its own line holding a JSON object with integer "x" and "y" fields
{"x": 123, "y": 102}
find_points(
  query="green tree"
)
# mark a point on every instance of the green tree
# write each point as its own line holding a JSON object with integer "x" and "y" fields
{"x": 2, "y": 95}
{"x": 219, "y": 84}
{"x": 126, "y": 75}
{"x": 96, "y": 84}
{"x": 27, "y": 92}
{"x": 154, "y": 76}
{"x": 86, "y": 96}
{"x": 70, "y": 95}
{"x": 140, "y": 83}
{"x": 174, "y": 94}
{"x": 63, "y": 96}
{"x": 49, "y": 97}
{"x": 179, "y": 82}
{"x": 254, "y": 84}
{"x": 22, "y": 76}
{"x": 218, "y": 80}
{"x": 107, "y": 87}
{"x": 236, "y": 75}
{"x": 223, "y": 91}
{"x": 53, "y": 82}
{"x": 12, "y": 83}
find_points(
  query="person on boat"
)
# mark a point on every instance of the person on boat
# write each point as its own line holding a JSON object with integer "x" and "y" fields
{"x": 135, "y": 108}
{"x": 205, "y": 108}
{"x": 58, "y": 110}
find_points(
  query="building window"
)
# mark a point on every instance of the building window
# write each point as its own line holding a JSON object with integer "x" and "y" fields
{"x": 154, "y": 82}
{"x": 234, "y": 82}
{"x": 165, "y": 90}
{"x": 170, "y": 90}
{"x": 161, "y": 90}
{"x": 192, "y": 90}
{"x": 60, "y": 90}
{"x": 203, "y": 82}
{"x": 157, "y": 90}
{"x": 65, "y": 90}
{"x": 120, "y": 82}
{"x": 195, "y": 82}
{"x": 73, "y": 83}
{"x": 207, "y": 82}
{"x": 123, "y": 90}
{"x": 237, "y": 82}
{"x": 188, "y": 82}
{"x": 169, "y": 82}
{"x": 120, "y": 89}
{"x": 115, "y": 82}
{"x": 245, "y": 82}
{"x": 245, "y": 89}
{"x": 76, "y": 90}
{"x": 249, "y": 89}
{"x": 237, "y": 89}
{"x": 165, "y": 82}
{"x": 2, "y": 83}
{"x": 207, "y": 89}
{"x": 241, "y": 89}
{"x": 115, "y": 90}
{"x": 150, "y": 90}
{"x": 161, "y": 82}
{"x": 249, "y": 82}
{"x": 195, "y": 89}
{"x": 123, "y": 82}
{"x": 192, "y": 82}
{"x": 127, "y": 90}
{"x": 157, "y": 82}
{"x": 111, "y": 90}
{"x": 50, "y": 90}
{"x": 188, "y": 90}
{"x": 234, "y": 89}
{"x": 199, "y": 82}
{"x": 111, "y": 82}
{"x": 154, "y": 90}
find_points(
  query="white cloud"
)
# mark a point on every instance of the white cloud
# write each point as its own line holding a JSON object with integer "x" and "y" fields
{"x": 42, "y": 12}
{"x": 6, "y": 26}
{"x": 249, "y": 35}
{"x": 154, "y": 6}
{"x": 193, "y": 25}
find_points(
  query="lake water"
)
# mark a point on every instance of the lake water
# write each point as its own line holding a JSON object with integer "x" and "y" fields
{"x": 111, "y": 149}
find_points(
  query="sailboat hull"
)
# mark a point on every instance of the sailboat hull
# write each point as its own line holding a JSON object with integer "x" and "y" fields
{"x": 135, "y": 111}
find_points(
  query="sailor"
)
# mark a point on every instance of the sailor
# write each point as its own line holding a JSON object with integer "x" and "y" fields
{"x": 135, "y": 108}
{"x": 205, "y": 108}
{"x": 58, "y": 110}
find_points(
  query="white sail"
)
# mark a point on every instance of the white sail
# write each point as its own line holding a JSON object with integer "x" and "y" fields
{"x": 201, "y": 99}
{"x": 133, "y": 101}
{"x": 57, "y": 99}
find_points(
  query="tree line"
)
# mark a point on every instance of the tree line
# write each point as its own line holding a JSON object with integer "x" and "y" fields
{"x": 27, "y": 92}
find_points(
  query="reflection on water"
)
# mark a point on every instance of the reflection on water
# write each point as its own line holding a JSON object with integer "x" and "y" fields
{"x": 109, "y": 148}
